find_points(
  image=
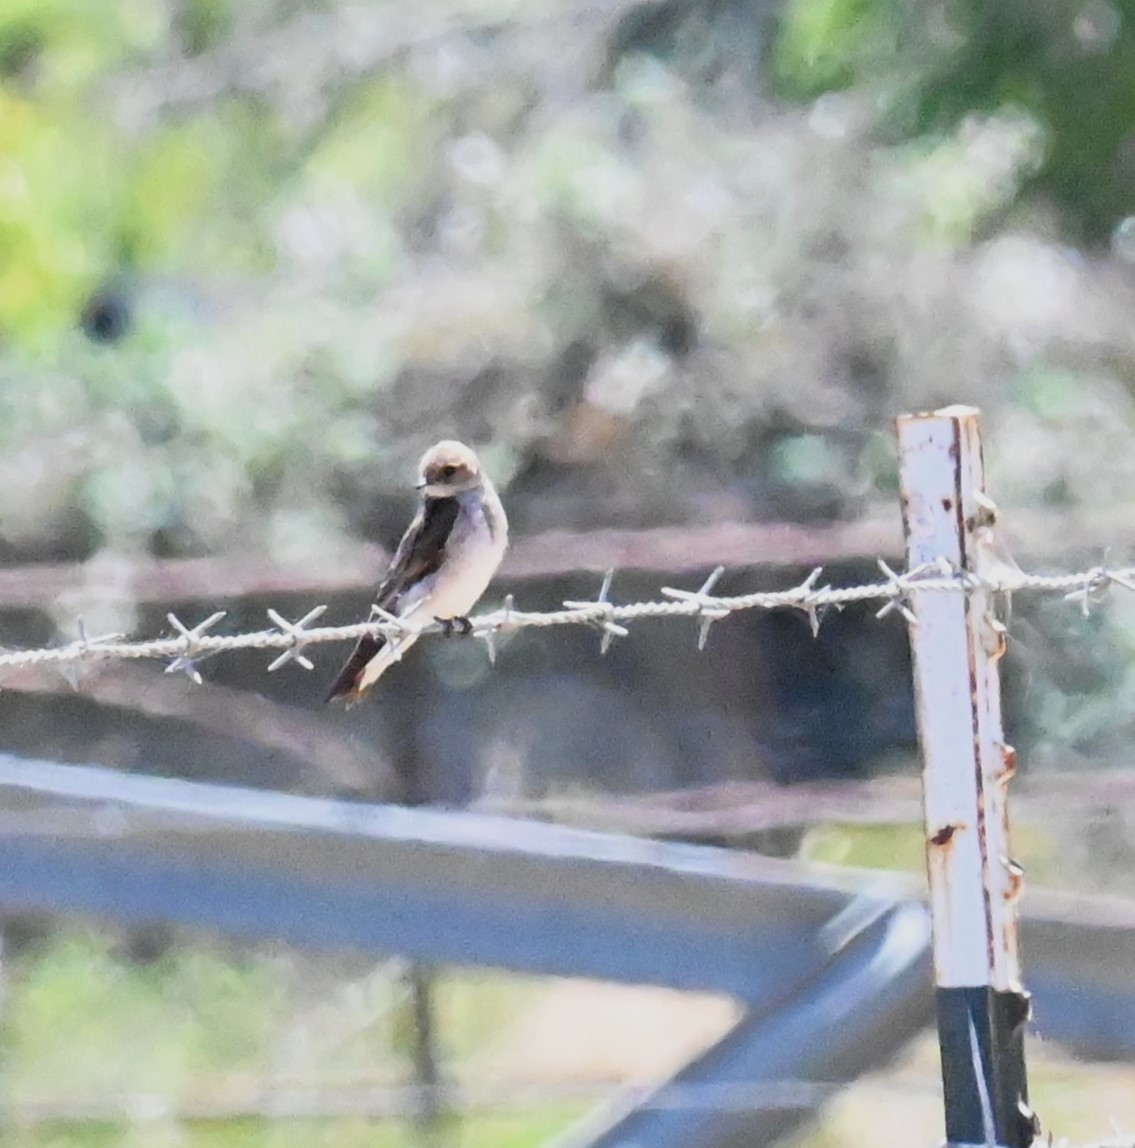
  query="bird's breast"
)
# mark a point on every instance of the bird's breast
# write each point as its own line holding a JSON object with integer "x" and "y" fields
{"x": 472, "y": 555}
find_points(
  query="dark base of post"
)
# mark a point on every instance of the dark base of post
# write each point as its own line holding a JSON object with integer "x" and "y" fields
{"x": 987, "y": 1091}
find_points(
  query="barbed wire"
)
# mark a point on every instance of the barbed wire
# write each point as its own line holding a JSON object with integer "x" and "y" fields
{"x": 189, "y": 645}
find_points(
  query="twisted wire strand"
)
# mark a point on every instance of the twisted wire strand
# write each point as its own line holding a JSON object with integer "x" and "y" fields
{"x": 191, "y": 645}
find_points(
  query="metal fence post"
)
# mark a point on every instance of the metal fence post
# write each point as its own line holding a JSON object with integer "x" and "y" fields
{"x": 957, "y": 642}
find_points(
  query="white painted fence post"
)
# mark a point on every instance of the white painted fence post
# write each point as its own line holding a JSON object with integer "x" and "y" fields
{"x": 957, "y": 644}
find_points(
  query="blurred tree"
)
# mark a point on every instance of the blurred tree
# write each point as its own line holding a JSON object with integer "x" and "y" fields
{"x": 662, "y": 261}
{"x": 581, "y": 233}
{"x": 1068, "y": 63}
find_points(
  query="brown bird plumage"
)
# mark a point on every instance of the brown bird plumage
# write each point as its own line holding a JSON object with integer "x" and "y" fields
{"x": 442, "y": 566}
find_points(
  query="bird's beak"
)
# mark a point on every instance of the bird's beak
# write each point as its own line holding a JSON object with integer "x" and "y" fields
{"x": 422, "y": 484}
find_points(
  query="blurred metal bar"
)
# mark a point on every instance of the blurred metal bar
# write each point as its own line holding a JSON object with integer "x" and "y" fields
{"x": 442, "y": 887}
{"x": 869, "y": 1001}
{"x": 669, "y": 550}
{"x": 464, "y": 888}
{"x": 1081, "y": 959}
{"x": 774, "y": 1071}
{"x": 552, "y": 554}
{"x": 807, "y": 950}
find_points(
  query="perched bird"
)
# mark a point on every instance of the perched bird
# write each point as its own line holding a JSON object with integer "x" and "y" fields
{"x": 445, "y": 561}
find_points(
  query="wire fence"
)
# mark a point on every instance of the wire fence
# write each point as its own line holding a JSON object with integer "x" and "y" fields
{"x": 189, "y": 645}
{"x": 953, "y": 550}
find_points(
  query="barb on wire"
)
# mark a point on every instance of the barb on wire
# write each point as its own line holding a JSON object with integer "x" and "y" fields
{"x": 392, "y": 622}
{"x": 896, "y": 596}
{"x": 85, "y": 644}
{"x": 490, "y": 634}
{"x": 808, "y": 604}
{"x": 1097, "y": 581}
{"x": 186, "y": 649}
{"x": 191, "y": 654}
{"x": 708, "y": 611}
{"x": 601, "y": 614}
{"x": 296, "y": 631}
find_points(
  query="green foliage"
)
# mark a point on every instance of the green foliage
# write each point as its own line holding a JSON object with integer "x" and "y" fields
{"x": 1074, "y": 69}
{"x": 826, "y": 44}
{"x": 84, "y": 1023}
{"x": 389, "y": 114}
{"x": 60, "y": 181}
{"x": 502, "y": 1131}
{"x": 53, "y": 217}
{"x": 202, "y": 25}
{"x": 867, "y": 846}
{"x": 1070, "y": 67}
{"x": 101, "y": 178}
{"x": 189, "y": 1013}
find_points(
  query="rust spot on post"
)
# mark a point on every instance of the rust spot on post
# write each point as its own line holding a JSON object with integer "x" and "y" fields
{"x": 1016, "y": 880}
{"x": 1000, "y": 636}
{"x": 945, "y": 835}
{"x": 1008, "y": 762}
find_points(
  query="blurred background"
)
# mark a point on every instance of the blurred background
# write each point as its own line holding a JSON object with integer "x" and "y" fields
{"x": 672, "y": 267}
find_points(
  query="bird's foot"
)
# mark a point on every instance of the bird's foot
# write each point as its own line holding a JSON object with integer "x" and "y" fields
{"x": 451, "y": 626}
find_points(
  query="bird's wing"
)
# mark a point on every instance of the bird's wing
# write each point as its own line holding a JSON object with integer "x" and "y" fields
{"x": 421, "y": 550}
{"x": 419, "y": 554}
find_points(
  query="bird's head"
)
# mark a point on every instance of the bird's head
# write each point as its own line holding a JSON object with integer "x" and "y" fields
{"x": 448, "y": 468}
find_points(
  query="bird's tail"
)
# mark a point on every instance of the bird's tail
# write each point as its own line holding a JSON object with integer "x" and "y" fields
{"x": 371, "y": 659}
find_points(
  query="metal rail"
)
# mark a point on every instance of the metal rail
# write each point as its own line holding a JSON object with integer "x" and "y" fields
{"x": 834, "y": 967}
{"x": 437, "y": 886}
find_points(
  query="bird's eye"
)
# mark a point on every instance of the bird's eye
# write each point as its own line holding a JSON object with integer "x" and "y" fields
{"x": 448, "y": 471}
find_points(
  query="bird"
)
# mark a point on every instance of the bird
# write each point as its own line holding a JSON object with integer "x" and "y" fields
{"x": 442, "y": 566}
